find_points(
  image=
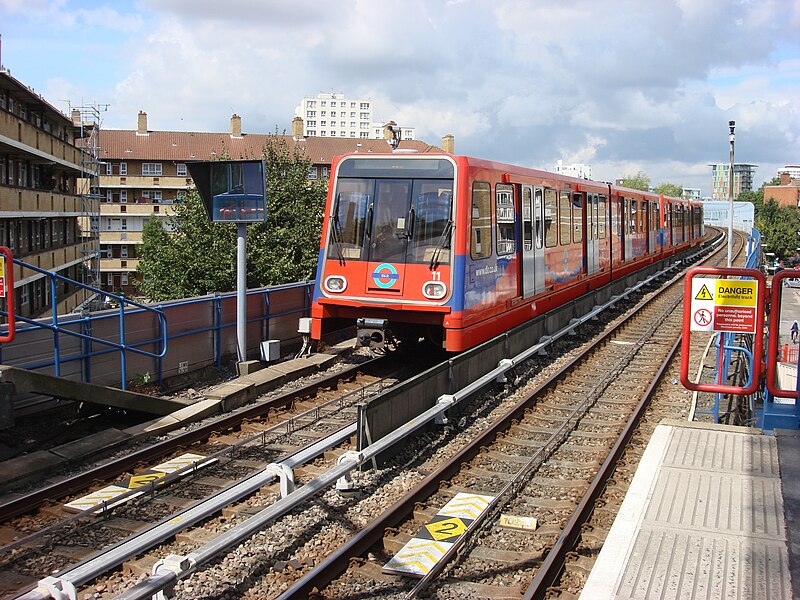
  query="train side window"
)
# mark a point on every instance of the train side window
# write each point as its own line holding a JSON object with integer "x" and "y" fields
{"x": 538, "y": 216}
{"x": 506, "y": 218}
{"x": 643, "y": 214}
{"x": 634, "y": 216}
{"x": 601, "y": 221}
{"x": 550, "y": 218}
{"x": 565, "y": 219}
{"x": 577, "y": 217}
{"x": 481, "y": 242}
{"x": 527, "y": 218}
{"x": 656, "y": 216}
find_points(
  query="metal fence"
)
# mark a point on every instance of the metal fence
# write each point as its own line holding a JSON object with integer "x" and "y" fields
{"x": 113, "y": 347}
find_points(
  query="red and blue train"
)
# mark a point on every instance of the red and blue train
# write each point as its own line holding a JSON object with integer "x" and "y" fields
{"x": 458, "y": 249}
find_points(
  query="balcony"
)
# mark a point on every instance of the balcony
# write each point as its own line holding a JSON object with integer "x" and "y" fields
{"x": 120, "y": 237}
{"x": 135, "y": 209}
{"x": 158, "y": 182}
{"x": 27, "y": 201}
{"x": 122, "y": 265}
{"x": 23, "y": 132}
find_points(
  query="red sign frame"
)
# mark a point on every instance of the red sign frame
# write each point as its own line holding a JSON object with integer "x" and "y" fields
{"x": 758, "y": 344}
{"x": 9, "y": 295}
{"x": 774, "y": 328}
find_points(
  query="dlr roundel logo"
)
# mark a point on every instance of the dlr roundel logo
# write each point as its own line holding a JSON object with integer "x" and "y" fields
{"x": 385, "y": 275}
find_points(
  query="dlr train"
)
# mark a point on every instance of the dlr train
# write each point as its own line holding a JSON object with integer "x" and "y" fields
{"x": 458, "y": 249}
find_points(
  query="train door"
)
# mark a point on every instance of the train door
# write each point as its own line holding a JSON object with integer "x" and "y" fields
{"x": 532, "y": 263}
{"x": 592, "y": 233}
{"x": 390, "y": 220}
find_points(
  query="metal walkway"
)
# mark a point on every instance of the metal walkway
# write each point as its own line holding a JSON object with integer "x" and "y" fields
{"x": 703, "y": 518}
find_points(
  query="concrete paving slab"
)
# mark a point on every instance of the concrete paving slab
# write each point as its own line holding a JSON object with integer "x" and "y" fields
{"x": 703, "y": 518}
{"x": 29, "y": 464}
{"x": 200, "y": 410}
{"x": 154, "y": 427}
{"x": 789, "y": 459}
{"x": 297, "y": 367}
{"x": 97, "y": 442}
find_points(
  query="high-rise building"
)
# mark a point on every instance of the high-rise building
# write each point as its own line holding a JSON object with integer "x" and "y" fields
{"x": 334, "y": 115}
{"x": 579, "y": 170}
{"x": 47, "y": 217}
{"x": 792, "y": 170}
{"x": 743, "y": 174}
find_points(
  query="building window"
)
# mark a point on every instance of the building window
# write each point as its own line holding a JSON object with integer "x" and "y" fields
{"x": 312, "y": 132}
{"x": 322, "y": 113}
{"x": 311, "y": 114}
{"x": 123, "y": 251}
{"x": 312, "y": 103}
{"x": 123, "y": 279}
{"x": 365, "y": 106}
{"x": 151, "y": 169}
{"x": 123, "y": 196}
{"x": 312, "y": 172}
{"x": 325, "y": 172}
{"x": 153, "y": 195}
{"x": 181, "y": 169}
{"x": 311, "y": 124}
{"x": 124, "y": 224}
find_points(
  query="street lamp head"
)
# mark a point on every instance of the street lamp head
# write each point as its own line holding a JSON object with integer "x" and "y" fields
{"x": 732, "y": 126}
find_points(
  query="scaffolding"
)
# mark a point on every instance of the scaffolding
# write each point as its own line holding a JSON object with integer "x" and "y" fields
{"x": 86, "y": 120}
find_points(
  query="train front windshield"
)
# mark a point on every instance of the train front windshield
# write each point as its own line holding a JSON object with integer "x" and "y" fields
{"x": 390, "y": 218}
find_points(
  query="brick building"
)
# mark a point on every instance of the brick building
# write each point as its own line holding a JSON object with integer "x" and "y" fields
{"x": 145, "y": 174}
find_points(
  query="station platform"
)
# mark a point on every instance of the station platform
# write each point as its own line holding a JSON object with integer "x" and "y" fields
{"x": 712, "y": 512}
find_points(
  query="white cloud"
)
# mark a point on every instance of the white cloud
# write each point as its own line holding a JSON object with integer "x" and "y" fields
{"x": 621, "y": 84}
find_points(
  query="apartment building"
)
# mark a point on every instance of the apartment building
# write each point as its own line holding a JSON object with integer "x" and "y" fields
{"x": 41, "y": 207}
{"x": 144, "y": 174}
{"x": 786, "y": 193}
{"x": 334, "y": 115}
{"x": 581, "y": 170}
{"x": 743, "y": 175}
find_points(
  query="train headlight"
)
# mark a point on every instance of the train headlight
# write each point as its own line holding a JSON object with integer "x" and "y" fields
{"x": 335, "y": 284}
{"x": 435, "y": 290}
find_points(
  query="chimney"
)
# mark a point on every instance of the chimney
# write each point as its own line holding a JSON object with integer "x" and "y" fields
{"x": 449, "y": 143}
{"x": 236, "y": 126}
{"x": 142, "y": 126}
{"x": 76, "y": 116}
{"x": 786, "y": 179}
{"x": 297, "y": 128}
{"x": 388, "y": 133}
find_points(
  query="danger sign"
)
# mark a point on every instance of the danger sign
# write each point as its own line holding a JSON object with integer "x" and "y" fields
{"x": 724, "y": 305}
{"x": 736, "y": 293}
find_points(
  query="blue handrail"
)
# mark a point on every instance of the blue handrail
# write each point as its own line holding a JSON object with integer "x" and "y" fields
{"x": 122, "y": 347}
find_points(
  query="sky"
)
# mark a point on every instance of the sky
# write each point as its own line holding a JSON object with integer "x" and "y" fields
{"x": 623, "y": 85}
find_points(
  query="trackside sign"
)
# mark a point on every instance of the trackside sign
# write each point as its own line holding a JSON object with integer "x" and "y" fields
{"x": 727, "y": 305}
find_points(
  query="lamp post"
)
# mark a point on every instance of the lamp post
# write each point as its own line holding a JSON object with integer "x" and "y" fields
{"x": 732, "y": 137}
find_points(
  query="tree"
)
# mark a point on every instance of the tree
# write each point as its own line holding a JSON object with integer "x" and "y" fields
{"x": 640, "y": 181}
{"x": 197, "y": 257}
{"x": 669, "y": 189}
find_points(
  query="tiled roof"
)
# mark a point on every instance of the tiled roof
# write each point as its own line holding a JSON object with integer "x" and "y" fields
{"x": 118, "y": 144}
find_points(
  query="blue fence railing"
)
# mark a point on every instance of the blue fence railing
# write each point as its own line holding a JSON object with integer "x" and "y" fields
{"x": 201, "y": 332}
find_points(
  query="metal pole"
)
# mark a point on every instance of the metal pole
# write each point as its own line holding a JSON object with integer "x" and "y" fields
{"x": 732, "y": 126}
{"x": 241, "y": 292}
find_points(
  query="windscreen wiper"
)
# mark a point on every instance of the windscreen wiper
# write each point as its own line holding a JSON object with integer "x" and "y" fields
{"x": 335, "y": 236}
{"x": 444, "y": 242}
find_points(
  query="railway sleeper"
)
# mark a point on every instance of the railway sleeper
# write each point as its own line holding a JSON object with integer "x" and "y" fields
{"x": 470, "y": 589}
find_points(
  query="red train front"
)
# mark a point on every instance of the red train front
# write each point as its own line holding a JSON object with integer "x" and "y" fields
{"x": 457, "y": 249}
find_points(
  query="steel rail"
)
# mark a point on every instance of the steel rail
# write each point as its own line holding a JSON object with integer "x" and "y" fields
{"x": 547, "y": 574}
{"x": 27, "y": 502}
{"x": 338, "y": 560}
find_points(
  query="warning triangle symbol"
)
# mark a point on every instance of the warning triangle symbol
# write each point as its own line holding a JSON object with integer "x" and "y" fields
{"x": 704, "y": 294}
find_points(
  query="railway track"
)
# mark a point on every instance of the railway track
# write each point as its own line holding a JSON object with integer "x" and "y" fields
{"x": 64, "y": 529}
{"x": 286, "y": 551}
{"x": 548, "y": 457}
